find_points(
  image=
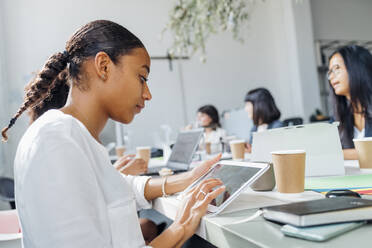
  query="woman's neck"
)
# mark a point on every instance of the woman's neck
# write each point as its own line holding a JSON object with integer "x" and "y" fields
{"x": 208, "y": 129}
{"x": 359, "y": 120}
{"x": 86, "y": 110}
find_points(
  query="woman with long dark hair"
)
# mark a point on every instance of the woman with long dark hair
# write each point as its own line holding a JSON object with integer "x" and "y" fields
{"x": 350, "y": 75}
{"x": 68, "y": 194}
{"x": 261, "y": 108}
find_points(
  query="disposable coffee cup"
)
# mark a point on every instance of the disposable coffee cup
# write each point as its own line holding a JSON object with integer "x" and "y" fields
{"x": 237, "y": 149}
{"x": 143, "y": 152}
{"x": 120, "y": 151}
{"x": 363, "y": 147}
{"x": 289, "y": 170}
{"x": 208, "y": 146}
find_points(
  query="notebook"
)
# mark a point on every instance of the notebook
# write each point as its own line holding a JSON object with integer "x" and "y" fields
{"x": 323, "y": 211}
{"x": 320, "y": 233}
{"x": 182, "y": 152}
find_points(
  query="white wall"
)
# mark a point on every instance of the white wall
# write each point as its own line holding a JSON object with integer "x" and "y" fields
{"x": 269, "y": 57}
{"x": 305, "y": 61}
{"x": 342, "y": 19}
{"x": 3, "y": 103}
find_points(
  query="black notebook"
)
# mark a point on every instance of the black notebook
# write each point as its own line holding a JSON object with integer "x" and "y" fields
{"x": 318, "y": 212}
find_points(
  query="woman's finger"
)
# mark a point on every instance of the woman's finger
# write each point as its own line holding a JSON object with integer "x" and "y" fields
{"x": 212, "y": 195}
{"x": 193, "y": 193}
{"x": 207, "y": 187}
{"x": 129, "y": 156}
{"x": 212, "y": 161}
{"x": 204, "y": 182}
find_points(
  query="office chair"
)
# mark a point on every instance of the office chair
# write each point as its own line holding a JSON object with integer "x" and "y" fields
{"x": 293, "y": 121}
{"x": 7, "y": 191}
{"x": 10, "y": 229}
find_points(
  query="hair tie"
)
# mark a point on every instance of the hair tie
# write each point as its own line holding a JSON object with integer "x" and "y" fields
{"x": 66, "y": 55}
{"x": 12, "y": 121}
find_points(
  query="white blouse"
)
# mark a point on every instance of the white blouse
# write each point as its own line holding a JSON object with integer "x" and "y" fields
{"x": 358, "y": 134}
{"x": 214, "y": 137}
{"x": 67, "y": 192}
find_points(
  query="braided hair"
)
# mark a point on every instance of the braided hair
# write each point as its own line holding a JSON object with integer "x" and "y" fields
{"x": 49, "y": 89}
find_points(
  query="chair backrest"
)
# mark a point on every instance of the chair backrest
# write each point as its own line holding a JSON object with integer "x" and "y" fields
{"x": 237, "y": 123}
{"x": 6, "y": 189}
{"x": 9, "y": 223}
{"x": 293, "y": 121}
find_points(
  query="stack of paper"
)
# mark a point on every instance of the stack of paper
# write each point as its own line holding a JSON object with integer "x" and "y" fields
{"x": 360, "y": 183}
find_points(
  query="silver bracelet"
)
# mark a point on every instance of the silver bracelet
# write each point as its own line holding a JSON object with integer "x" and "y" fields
{"x": 163, "y": 187}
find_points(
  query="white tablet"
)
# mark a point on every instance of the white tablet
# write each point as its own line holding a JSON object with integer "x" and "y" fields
{"x": 236, "y": 176}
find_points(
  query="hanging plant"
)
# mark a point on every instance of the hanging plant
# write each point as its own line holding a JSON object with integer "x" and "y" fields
{"x": 193, "y": 21}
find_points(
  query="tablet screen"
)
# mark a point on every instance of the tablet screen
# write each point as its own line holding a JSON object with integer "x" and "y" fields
{"x": 233, "y": 177}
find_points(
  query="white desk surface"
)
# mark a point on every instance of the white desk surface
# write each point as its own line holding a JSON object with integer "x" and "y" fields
{"x": 259, "y": 232}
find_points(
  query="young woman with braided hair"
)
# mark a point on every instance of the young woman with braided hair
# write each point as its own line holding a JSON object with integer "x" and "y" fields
{"x": 67, "y": 192}
{"x": 128, "y": 164}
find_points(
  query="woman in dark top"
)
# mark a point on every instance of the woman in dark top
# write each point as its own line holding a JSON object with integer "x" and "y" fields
{"x": 350, "y": 75}
{"x": 261, "y": 108}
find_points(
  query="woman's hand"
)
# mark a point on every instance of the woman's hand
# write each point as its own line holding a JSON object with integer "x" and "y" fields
{"x": 195, "y": 204}
{"x": 179, "y": 182}
{"x": 123, "y": 161}
{"x": 200, "y": 170}
{"x": 135, "y": 167}
{"x": 350, "y": 154}
{"x": 188, "y": 127}
{"x": 248, "y": 148}
{"x": 129, "y": 165}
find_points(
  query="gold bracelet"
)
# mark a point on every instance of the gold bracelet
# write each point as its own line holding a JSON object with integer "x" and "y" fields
{"x": 163, "y": 187}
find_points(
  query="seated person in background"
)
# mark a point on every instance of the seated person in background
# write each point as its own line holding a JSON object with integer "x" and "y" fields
{"x": 208, "y": 118}
{"x": 261, "y": 108}
{"x": 350, "y": 75}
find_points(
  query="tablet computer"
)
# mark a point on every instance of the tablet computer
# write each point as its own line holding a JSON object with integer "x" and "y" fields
{"x": 236, "y": 176}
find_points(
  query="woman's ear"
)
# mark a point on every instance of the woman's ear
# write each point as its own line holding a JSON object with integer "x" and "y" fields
{"x": 102, "y": 64}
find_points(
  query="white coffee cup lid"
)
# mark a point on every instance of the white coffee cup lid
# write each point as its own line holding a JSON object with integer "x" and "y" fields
{"x": 237, "y": 141}
{"x": 363, "y": 139}
{"x": 288, "y": 152}
{"x": 143, "y": 147}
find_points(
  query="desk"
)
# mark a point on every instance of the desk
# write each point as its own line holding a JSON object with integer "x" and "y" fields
{"x": 259, "y": 232}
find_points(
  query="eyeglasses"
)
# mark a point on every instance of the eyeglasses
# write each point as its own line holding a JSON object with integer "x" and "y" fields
{"x": 336, "y": 70}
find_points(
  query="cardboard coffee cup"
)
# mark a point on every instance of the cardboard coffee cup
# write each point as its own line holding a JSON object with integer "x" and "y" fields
{"x": 363, "y": 147}
{"x": 120, "y": 151}
{"x": 208, "y": 146}
{"x": 144, "y": 152}
{"x": 237, "y": 149}
{"x": 289, "y": 170}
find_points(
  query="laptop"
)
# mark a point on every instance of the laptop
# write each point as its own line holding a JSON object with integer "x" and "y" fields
{"x": 321, "y": 142}
{"x": 183, "y": 150}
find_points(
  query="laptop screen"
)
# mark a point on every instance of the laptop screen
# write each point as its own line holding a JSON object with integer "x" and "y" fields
{"x": 185, "y": 146}
{"x": 321, "y": 142}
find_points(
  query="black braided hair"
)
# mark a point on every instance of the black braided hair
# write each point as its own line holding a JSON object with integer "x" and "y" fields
{"x": 49, "y": 89}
